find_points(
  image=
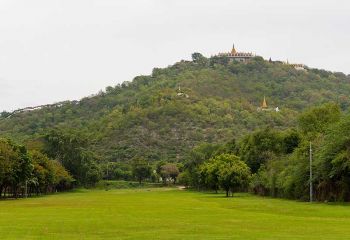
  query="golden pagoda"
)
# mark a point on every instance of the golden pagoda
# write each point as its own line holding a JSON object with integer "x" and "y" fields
{"x": 264, "y": 104}
{"x": 265, "y": 108}
{"x": 233, "y": 51}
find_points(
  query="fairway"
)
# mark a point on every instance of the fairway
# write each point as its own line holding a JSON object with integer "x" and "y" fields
{"x": 169, "y": 214}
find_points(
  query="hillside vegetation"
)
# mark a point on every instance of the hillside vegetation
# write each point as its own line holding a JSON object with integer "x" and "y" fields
{"x": 151, "y": 117}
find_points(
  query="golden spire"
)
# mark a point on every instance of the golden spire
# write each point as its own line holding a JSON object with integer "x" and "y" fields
{"x": 264, "y": 104}
{"x": 233, "y": 51}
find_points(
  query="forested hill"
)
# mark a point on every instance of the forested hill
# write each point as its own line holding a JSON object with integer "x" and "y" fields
{"x": 217, "y": 101}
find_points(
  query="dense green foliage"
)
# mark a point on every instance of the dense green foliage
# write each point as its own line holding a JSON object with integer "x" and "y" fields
{"x": 225, "y": 171}
{"x": 286, "y": 173}
{"x": 141, "y": 169}
{"x": 170, "y": 124}
{"x": 121, "y": 184}
{"x": 24, "y": 173}
{"x": 169, "y": 214}
{"x": 279, "y": 159}
{"x": 70, "y": 148}
{"x": 256, "y": 148}
{"x": 151, "y": 117}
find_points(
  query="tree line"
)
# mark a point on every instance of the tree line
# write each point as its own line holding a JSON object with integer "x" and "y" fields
{"x": 57, "y": 161}
{"x": 140, "y": 169}
{"x": 269, "y": 161}
{"x": 274, "y": 162}
{"x": 24, "y": 173}
{"x": 60, "y": 160}
{"x": 147, "y": 118}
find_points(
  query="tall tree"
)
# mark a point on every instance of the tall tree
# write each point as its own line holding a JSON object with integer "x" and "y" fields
{"x": 70, "y": 149}
{"x": 226, "y": 171}
{"x": 258, "y": 147}
{"x": 141, "y": 169}
{"x": 317, "y": 119}
{"x": 234, "y": 174}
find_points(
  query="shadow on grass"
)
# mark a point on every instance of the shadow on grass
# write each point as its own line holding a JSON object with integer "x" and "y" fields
{"x": 219, "y": 194}
{"x": 34, "y": 196}
{"x": 223, "y": 195}
{"x": 240, "y": 195}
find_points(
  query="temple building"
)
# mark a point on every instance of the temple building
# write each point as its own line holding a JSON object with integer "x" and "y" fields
{"x": 264, "y": 107}
{"x": 237, "y": 56}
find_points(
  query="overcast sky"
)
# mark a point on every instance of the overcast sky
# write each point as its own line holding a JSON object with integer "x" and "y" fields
{"x": 53, "y": 50}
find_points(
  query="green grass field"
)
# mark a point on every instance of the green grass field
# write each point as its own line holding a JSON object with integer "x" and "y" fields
{"x": 163, "y": 213}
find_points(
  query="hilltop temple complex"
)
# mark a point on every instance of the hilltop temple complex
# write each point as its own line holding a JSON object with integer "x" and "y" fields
{"x": 237, "y": 56}
{"x": 244, "y": 57}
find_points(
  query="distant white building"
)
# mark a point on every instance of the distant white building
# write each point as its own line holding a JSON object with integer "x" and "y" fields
{"x": 298, "y": 66}
{"x": 180, "y": 93}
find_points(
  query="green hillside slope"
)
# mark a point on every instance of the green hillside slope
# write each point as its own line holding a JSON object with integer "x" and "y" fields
{"x": 217, "y": 102}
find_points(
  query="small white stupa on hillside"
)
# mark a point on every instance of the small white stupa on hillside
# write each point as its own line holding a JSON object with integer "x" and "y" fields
{"x": 181, "y": 93}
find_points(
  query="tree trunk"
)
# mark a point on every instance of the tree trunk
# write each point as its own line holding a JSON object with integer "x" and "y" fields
{"x": 14, "y": 192}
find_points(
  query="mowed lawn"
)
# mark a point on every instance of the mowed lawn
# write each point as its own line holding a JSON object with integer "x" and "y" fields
{"x": 169, "y": 214}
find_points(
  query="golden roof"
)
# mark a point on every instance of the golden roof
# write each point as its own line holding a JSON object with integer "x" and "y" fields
{"x": 233, "y": 51}
{"x": 235, "y": 54}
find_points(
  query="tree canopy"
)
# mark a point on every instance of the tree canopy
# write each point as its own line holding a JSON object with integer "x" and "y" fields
{"x": 226, "y": 171}
{"x": 23, "y": 173}
{"x": 147, "y": 116}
